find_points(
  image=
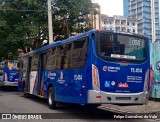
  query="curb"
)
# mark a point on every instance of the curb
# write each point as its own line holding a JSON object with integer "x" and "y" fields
{"x": 114, "y": 110}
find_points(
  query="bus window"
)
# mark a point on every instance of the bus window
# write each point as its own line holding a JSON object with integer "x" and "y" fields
{"x": 51, "y": 61}
{"x": 79, "y": 52}
{"x": 67, "y": 55}
{"x": 43, "y": 61}
{"x": 34, "y": 65}
{"x": 1, "y": 66}
{"x": 106, "y": 45}
{"x": 13, "y": 65}
{"x": 60, "y": 57}
{"x": 121, "y": 46}
{"x": 54, "y": 58}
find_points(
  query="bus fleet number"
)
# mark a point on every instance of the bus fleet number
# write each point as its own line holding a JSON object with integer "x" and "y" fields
{"x": 136, "y": 70}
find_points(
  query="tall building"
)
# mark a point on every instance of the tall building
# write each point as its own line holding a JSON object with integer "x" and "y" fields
{"x": 125, "y": 8}
{"x": 119, "y": 23}
{"x": 144, "y": 10}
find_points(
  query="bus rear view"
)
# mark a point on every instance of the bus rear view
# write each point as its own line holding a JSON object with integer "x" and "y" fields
{"x": 120, "y": 69}
{"x": 9, "y": 73}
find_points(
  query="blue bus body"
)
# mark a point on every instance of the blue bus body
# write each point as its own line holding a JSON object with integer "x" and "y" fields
{"x": 10, "y": 73}
{"x": 84, "y": 73}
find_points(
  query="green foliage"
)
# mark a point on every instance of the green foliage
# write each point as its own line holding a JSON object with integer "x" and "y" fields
{"x": 22, "y": 22}
{"x": 71, "y": 16}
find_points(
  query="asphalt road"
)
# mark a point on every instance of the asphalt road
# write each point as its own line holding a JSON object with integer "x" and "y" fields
{"x": 13, "y": 102}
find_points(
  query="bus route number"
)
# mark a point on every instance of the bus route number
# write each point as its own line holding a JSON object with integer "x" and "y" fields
{"x": 136, "y": 42}
{"x": 136, "y": 70}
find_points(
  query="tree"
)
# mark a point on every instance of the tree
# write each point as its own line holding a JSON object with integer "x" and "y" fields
{"x": 70, "y": 16}
{"x": 24, "y": 19}
{"x": 24, "y": 23}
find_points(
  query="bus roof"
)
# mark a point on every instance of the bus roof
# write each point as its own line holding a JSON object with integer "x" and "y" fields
{"x": 60, "y": 42}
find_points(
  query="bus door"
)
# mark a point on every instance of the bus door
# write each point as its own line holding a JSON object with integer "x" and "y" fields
{"x": 41, "y": 74}
{"x": 28, "y": 74}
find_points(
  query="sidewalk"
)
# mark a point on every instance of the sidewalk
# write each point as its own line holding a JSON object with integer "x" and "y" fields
{"x": 151, "y": 107}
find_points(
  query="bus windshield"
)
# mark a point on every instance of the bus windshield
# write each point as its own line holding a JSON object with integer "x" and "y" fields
{"x": 13, "y": 65}
{"x": 121, "y": 46}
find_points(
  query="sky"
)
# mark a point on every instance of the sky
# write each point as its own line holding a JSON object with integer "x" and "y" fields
{"x": 111, "y": 7}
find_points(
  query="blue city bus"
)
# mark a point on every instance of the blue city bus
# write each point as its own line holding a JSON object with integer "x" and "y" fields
{"x": 10, "y": 73}
{"x": 99, "y": 66}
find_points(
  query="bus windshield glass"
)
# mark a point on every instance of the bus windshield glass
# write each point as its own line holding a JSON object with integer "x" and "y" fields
{"x": 121, "y": 46}
{"x": 13, "y": 65}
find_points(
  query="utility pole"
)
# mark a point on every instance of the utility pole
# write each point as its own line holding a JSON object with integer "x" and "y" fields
{"x": 153, "y": 21}
{"x": 50, "y": 28}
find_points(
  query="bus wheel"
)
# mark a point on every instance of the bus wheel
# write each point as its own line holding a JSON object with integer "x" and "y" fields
{"x": 51, "y": 98}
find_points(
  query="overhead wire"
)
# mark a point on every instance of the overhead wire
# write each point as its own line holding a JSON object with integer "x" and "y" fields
{"x": 20, "y": 10}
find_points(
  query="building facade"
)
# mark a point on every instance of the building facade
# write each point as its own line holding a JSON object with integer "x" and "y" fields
{"x": 96, "y": 18}
{"x": 144, "y": 10}
{"x": 119, "y": 23}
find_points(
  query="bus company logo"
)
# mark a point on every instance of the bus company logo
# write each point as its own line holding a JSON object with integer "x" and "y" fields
{"x": 61, "y": 78}
{"x": 105, "y": 68}
{"x": 123, "y": 85}
{"x": 111, "y": 69}
{"x": 61, "y": 75}
{"x": 51, "y": 75}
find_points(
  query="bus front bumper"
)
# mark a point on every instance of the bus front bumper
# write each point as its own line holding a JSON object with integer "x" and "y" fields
{"x": 7, "y": 83}
{"x": 117, "y": 98}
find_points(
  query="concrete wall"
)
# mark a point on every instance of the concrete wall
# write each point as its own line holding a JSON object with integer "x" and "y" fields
{"x": 155, "y": 61}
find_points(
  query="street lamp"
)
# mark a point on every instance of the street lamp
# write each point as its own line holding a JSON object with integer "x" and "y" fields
{"x": 50, "y": 28}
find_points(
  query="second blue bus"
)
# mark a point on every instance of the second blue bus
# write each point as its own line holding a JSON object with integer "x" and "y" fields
{"x": 10, "y": 74}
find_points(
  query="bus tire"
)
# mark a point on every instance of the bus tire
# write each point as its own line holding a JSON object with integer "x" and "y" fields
{"x": 51, "y": 98}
